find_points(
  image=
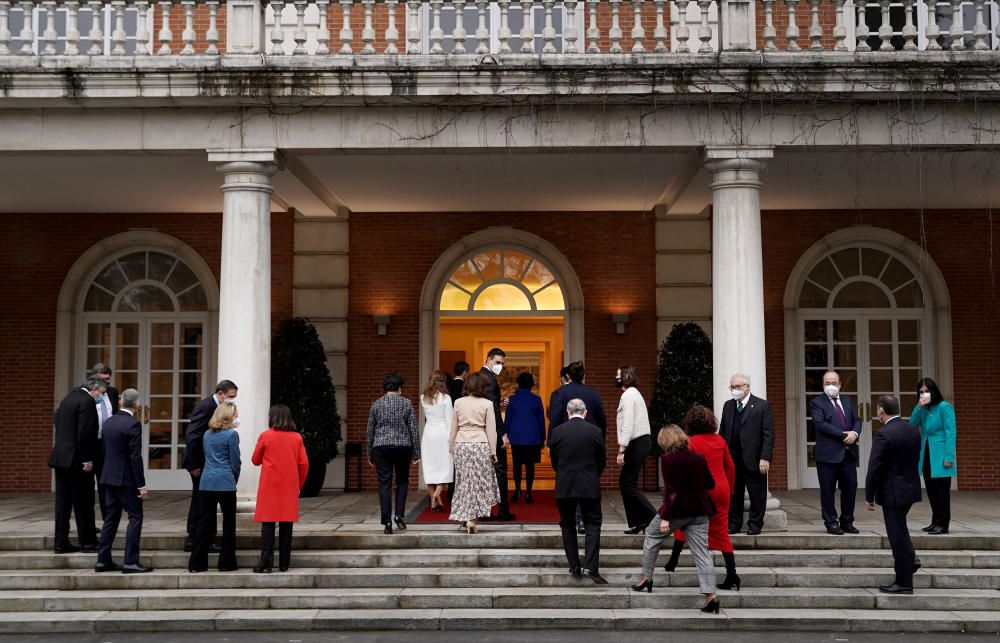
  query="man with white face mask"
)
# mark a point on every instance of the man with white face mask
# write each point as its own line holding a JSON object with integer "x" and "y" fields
{"x": 748, "y": 428}
{"x": 837, "y": 430}
{"x": 495, "y": 360}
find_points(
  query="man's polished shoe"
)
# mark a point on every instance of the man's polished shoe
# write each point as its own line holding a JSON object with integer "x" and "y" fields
{"x": 734, "y": 531}
{"x": 581, "y": 528}
{"x": 849, "y": 529}
{"x": 88, "y": 549}
{"x": 753, "y": 532}
{"x": 835, "y": 531}
{"x": 135, "y": 569}
{"x": 928, "y": 527}
{"x": 106, "y": 567}
{"x": 916, "y": 565}
{"x": 576, "y": 572}
{"x": 66, "y": 548}
{"x": 895, "y": 589}
{"x": 594, "y": 576}
{"x": 937, "y": 531}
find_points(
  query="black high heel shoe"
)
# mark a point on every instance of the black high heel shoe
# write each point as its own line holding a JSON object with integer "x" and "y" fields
{"x": 731, "y": 582}
{"x": 638, "y": 529}
{"x": 400, "y": 525}
{"x": 646, "y": 586}
{"x": 711, "y": 607}
{"x": 528, "y": 499}
{"x": 514, "y": 497}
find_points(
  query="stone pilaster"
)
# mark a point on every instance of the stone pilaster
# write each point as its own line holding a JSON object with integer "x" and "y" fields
{"x": 683, "y": 271}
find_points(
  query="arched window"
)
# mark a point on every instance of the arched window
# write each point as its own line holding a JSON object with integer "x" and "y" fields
{"x": 502, "y": 280}
{"x": 143, "y": 282}
{"x": 861, "y": 278}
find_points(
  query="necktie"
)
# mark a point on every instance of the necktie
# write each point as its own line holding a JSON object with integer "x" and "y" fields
{"x": 840, "y": 412}
{"x": 739, "y": 407}
{"x": 104, "y": 416}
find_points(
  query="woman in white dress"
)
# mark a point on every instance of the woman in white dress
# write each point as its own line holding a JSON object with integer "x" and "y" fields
{"x": 436, "y": 462}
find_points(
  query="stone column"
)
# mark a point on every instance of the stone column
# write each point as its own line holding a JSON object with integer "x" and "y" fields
{"x": 738, "y": 281}
{"x": 245, "y": 296}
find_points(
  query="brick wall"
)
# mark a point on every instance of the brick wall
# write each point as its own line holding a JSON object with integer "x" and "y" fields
{"x": 960, "y": 244}
{"x": 36, "y": 253}
{"x": 391, "y": 255}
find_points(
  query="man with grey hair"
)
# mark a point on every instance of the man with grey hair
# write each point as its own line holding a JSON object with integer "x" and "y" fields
{"x": 748, "y": 428}
{"x": 578, "y": 456}
{"x": 72, "y": 460}
{"x": 124, "y": 483}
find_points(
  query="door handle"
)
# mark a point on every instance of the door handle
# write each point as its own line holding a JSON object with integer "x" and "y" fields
{"x": 145, "y": 414}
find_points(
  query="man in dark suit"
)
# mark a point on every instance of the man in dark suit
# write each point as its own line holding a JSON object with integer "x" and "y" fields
{"x": 107, "y": 405}
{"x": 893, "y": 481}
{"x": 748, "y": 428}
{"x": 576, "y": 389}
{"x": 194, "y": 452}
{"x": 124, "y": 484}
{"x": 495, "y": 360}
{"x": 578, "y": 455}
{"x": 72, "y": 460}
{"x": 837, "y": 430}
{"x": 456, "y": 385}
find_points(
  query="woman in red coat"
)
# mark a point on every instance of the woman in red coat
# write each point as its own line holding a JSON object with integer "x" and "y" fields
{"x": 701, "y": 426}
{"x": 282, "y": 457}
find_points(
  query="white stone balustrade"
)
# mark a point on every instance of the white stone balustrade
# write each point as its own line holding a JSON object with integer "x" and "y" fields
{"x": 503, "y": 27}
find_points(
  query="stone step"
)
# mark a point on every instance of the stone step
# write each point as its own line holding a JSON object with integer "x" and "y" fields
{"x": 478, "y": 577}
{"x": 579, "y": 597}
{"x": 529, "y": 537}
{"x": 688, "y": 618}
{"x": 411, "y": 558}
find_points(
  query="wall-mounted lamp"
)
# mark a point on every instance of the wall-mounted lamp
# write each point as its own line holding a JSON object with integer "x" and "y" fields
{"x": 382, "y": 321}
{"x": 619, "y": 320}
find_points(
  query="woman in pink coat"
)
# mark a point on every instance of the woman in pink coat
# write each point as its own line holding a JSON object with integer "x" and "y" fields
{"x": 282, "y": 457}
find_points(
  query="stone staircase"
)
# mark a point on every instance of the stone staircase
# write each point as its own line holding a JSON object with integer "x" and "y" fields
{"x": 443, "y": 580}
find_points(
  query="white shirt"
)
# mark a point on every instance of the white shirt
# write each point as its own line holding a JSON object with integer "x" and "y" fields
{"x": 633, "y": 418}
{"x": 108, "y": 412}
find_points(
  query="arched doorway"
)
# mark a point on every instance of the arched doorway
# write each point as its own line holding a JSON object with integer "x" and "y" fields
{"x": 507, "y": 288}
{"x": 148, "y": 310}
{"x": 870, "y": 304}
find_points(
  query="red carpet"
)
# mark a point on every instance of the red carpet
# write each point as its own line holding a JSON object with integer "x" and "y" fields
{"x": 543, "y": 510}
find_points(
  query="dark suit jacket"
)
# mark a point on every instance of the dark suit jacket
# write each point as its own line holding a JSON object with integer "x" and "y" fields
{"x": 455, "y": 387}
{"x": 76, "y": 423}
{"x": 576, "y": 449}
{"x": 194, "y": 452}
{"x": 121, "y": 440}
{"x": 893, "y": 472}
{"x": 830, "y": 430}
{"x": 493, "y": 395}
{"x": 113, "y": 398}
{"x": 577, "y": 390}
{"x": 756, "y": 430}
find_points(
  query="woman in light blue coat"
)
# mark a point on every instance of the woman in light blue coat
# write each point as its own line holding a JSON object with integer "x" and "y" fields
{"x": 936, "y": 420}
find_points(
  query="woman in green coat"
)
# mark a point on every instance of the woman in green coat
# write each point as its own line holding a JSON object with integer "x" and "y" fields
{"x": 936, "y": 420}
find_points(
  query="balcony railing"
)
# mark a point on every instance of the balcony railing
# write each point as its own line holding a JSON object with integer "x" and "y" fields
{"x": 543, "y": 29}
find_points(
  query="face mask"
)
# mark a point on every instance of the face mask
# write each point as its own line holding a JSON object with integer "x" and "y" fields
{"x": 737, "y": 393}
{"x": 236, "y": 423}
{"x": 496, "y": 368}
{"x": 831, "y": 390}
{"x": 618, "y": 382}
{"x": 925, "y": 397}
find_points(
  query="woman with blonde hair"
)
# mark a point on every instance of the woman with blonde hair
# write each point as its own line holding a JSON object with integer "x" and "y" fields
{"x": 473, "y": 445}
{"x": 436, "y": 463}
{"x": 686, "y": 508}
{"x": 217, "y": 488}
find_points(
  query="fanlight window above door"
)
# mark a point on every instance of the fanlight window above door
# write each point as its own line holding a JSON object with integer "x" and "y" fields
{"x": 502, "y": 280}
{"x": 861, "y": 277}
{"x": 145, "y": 281}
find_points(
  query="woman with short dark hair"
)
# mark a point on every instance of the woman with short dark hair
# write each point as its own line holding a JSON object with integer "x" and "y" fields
{"x": 281, "y": 455}
{"x": 634, "y": 445}
{"x": 473, "y": 445}
{"x": 393, "y": 443}
{"x": 703, "y": 437}
{"x": 525, "y": 422}
{"x": 936, "y": 420}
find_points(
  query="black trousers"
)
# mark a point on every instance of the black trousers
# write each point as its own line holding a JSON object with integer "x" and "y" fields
{"x": 903, "y": 556}
{"x": 193, "y": 508}
{"x": 501, "y": 469}
{"x": 524, "y": 459}
{"x": 208, "y": 501}
{"x": 843, "y": 474}
{"x": 98, "y": 468}
{"x": 117, "y": 499}
{"x": 938, "y": 493}
{"x": 389, "y": 461}
{"x": 756, "y": 484}
{"x": 74, "y": 493}
{"x": 284, "y": 544}
{"x": 592, "y": 519}
{"x": 638, "y": 510}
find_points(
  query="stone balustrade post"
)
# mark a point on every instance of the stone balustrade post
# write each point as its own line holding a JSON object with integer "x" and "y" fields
{"x": 245, "y": 297}
{"x": 245, "y": 26}
{"x": 739, "y": 25}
